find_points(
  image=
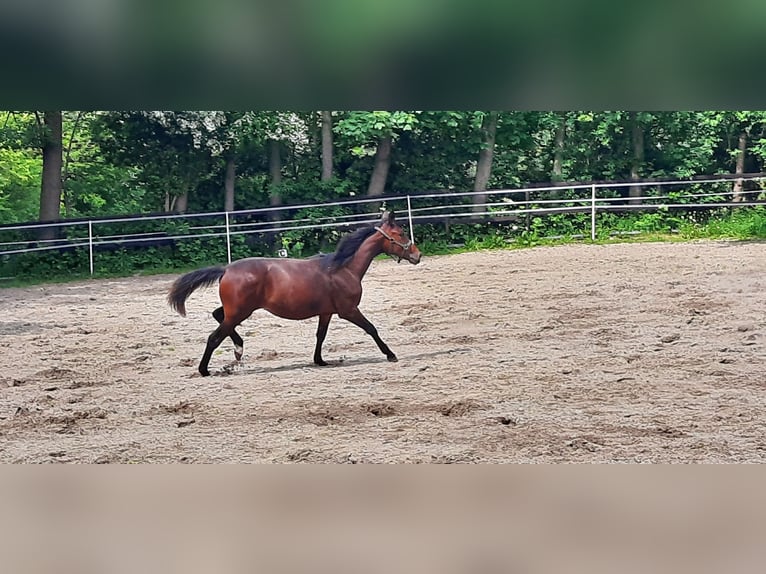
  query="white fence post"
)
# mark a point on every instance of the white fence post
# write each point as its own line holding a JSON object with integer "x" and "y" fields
{"x": 593, "y": 213}
{"x": 409, "y": 215}
{"x": 90, "y": 245}
{"x": 228, "y": 239}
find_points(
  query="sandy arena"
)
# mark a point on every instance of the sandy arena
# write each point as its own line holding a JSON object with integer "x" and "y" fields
{"x": 579, "y": 353}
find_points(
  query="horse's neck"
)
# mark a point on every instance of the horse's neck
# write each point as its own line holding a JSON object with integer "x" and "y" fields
{"x": 361, "y": 260}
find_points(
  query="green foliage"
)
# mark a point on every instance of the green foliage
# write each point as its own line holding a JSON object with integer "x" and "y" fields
{"x": 166, "y": 151}
{"x": 363, "y": 129}
{"x": 20, "y": 173}
{"x": 129, "y": 162}
{"x": 45, "y": 264}
{"x": 120, "y": 163}
{"x": 744, "y": 223}
{"x": 307, "y": 242}
{"x": 74, "y": 263}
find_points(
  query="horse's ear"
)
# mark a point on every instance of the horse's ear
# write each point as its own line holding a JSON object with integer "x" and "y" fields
{"x": 391, "y": 218}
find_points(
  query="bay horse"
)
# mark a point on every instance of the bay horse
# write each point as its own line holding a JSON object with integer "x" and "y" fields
{"x": 323, "y": 285}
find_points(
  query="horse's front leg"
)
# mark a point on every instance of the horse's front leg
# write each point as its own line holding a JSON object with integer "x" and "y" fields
{"x": 355, "y": 316}
{"x": 324, "y": 322}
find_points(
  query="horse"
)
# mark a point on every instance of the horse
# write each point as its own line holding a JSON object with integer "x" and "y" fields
{"x": 323, "y": 286}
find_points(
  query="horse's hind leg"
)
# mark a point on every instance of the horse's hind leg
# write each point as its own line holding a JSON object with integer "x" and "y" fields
{"x": 239, "y": 344}
{"x": 225, "y": 329}
{"x": 213, "y": 341}
{"x": 355, "y": 316}
{"x": 324, "y": 322}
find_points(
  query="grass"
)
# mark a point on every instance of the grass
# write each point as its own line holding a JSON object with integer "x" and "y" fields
{"x": 741, "y": 224}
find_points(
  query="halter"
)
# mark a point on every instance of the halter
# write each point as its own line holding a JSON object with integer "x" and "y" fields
{"x": 404, "y": 246}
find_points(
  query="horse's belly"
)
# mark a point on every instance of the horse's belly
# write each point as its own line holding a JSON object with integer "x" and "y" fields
{"x": 304, "y": 310}
{"x": 300, "y": 300}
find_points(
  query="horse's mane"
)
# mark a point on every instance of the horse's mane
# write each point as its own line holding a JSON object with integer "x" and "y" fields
{"x": 346, "y": 248}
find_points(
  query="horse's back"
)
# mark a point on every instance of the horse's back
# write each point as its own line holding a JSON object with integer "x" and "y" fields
{"x": 255, "y": 262}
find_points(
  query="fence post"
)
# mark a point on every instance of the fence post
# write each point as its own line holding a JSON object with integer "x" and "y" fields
{"x": 90, "y": 244}
{"x": 228, "y": 239}
{"x": 409, "y": 214}
{"x": 593, "y": 212}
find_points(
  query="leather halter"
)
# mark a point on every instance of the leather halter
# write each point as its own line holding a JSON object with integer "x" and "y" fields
{"x": 404, "y": 246}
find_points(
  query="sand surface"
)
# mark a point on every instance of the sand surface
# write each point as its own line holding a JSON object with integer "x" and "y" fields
{"x": 579, "y": 353}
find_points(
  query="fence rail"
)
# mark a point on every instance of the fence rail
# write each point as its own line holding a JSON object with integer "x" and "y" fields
{"x": 497, "y": 205}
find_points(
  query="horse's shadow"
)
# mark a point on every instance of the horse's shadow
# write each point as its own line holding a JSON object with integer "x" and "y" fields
{"x": 245, "y": 369}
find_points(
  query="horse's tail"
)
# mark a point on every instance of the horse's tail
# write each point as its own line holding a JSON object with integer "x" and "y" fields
{"x": 185, "y": 285}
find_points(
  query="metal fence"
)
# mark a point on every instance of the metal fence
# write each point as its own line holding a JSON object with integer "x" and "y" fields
{"x": 442, "y": 207}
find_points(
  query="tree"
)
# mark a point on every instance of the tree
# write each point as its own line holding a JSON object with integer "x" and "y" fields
{"x": 327, "y": 151}
{"x": 50, "y": 190}
{"x": 229, "y": 180}
{"x": 381, "y": 166}
{"x": 681, "y": 144}
{"x": 20, "y": 167}
{"x": 748, "y": 129}
{"x": 439, "y": 152}
{"x": 373, "y": 134}
{"x": 637, "y": 164}
{"x": 739, "y": 166}
{"x": 484, "y": 163}
{"x": 275, "y": 170}
{"x": 118, "y": 162}
{"x": 234, "y": 134}
{"x": 757, "y": 141}
{"x": 557, "y": 171}
{"x": 285, "y": 133}
{"x": 172, "y": 150}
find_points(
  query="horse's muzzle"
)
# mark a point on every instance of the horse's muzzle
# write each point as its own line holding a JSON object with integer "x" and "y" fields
{"x": 414, "y": 256}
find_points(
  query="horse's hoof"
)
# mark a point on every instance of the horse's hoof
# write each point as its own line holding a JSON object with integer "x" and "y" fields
{"x": 204, "y": 373}
{"x": 238, "y": 356}
{"x": 321, "y": 363}
{"x": 392, "y": 359}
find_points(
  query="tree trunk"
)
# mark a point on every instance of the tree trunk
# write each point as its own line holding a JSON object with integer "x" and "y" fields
{"x": 326, "y": 146}
{"x": 380, "y": 169}
{"x": 484, "y": 163}
{"x": 739, "y": 167}
{"x": 67, "y": 161}
{"x": 557, "y": 173}
{"x": 637, "y": 137}
{"x": 275, "y": 171}
{"x": 181, "y": 202}
{"x": 228, "y": 183}
{"x": 558, "y": 152}
{"x": 50, "y": 191}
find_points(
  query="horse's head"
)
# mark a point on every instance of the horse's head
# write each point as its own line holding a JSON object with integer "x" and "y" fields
{"x": 398, "y": 244}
